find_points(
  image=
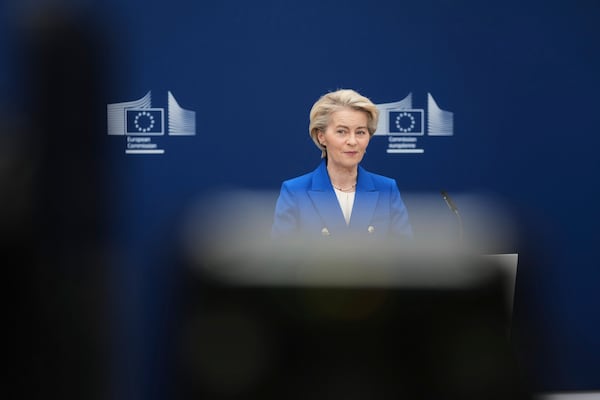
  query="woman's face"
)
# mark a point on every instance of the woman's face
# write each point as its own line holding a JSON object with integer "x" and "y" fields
{"x": 346, "y": 138}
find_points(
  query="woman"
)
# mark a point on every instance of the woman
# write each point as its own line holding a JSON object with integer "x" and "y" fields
{"x": 340, "y": 198}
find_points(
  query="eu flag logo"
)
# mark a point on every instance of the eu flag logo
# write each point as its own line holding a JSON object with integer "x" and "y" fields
{"x": 406, "y": 122}
{"x": 144, "y": 121}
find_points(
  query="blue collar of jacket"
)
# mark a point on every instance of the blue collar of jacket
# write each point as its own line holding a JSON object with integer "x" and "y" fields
{"x": 327, "y": 205}
{"x": 321, "y": 181}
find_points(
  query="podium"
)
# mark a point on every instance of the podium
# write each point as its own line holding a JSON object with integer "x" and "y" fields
{"x": 297, "y": 324}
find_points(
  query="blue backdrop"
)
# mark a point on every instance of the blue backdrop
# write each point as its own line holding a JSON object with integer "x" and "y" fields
{"x": 521, "y": 78}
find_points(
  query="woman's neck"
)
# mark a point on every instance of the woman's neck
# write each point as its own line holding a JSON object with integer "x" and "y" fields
{"x": 342, "y": 178}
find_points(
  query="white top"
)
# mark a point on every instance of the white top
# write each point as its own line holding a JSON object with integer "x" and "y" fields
{"x": 346, "y": 200}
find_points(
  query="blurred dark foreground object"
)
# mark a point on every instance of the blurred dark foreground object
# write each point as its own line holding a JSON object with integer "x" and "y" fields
{"x": 52, "y": 219}
{"x": 244, "y": 339}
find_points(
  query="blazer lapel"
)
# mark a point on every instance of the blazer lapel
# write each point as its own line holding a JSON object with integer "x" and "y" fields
{"x": 325, "y": 202}
{"x": 364, "y": 202}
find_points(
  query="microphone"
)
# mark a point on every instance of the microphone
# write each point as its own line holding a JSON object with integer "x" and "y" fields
{"x": 454, "y": 209}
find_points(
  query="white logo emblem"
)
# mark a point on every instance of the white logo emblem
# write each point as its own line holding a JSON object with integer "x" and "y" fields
{"x": 139, "y": 122}
{"x": 403, "y": 124}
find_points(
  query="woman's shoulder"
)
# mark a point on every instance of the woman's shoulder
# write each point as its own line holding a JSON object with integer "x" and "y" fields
{"x": 306, "y": 181}
{"x": 299, "y": 181}
{"x": 380, "y": 180}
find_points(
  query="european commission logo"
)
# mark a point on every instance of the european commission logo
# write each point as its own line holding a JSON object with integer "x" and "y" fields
{"x": 141, "y": 123}
{"x": 404, "y": 124}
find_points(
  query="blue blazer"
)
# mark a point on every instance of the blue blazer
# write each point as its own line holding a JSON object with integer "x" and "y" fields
{"x": 307, "y": 206}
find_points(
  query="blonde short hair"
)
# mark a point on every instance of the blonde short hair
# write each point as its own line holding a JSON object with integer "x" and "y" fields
{"x": 321, "y": 111}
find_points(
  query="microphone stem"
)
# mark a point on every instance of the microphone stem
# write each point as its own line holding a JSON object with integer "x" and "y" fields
{"x": 460, "y": 226}
{"x": 454, "y": 209}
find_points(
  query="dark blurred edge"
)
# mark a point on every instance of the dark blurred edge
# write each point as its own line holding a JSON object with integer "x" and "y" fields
{"x": 53, "y": 217}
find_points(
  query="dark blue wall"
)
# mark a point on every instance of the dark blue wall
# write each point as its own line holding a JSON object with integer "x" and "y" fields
{"x": 521, "y": 78}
